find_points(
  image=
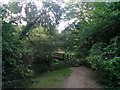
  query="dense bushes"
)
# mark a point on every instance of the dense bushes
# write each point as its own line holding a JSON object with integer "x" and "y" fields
{"x": 14, "y": 62}
{"x": 106, "y": 58}
{"x": 22, "y": 59}
{"x": 113, "y": 67}
{"x": 44, "y": 46}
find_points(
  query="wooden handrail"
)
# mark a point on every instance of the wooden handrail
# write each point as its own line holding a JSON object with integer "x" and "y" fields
{"x": 62, "y": 56}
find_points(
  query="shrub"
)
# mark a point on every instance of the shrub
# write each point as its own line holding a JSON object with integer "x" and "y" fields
{"x": 14, "y": 55}
{"x": 113, "y": 69}
{"x": 106, "y": 58}
{"x": 95, "y": 59}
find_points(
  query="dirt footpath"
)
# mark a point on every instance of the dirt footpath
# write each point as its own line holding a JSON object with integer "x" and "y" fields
{"x": 81, "y": 77}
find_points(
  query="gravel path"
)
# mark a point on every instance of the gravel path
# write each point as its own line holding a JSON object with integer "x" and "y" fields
{"x": 81, "y": 77}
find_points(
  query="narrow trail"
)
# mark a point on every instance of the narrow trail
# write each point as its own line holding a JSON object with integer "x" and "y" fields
{"x": 81, "y": 77}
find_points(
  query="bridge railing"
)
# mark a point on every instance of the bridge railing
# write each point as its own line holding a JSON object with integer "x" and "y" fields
{"x": 62, "y": 56}
{"x": 67, "y": 58}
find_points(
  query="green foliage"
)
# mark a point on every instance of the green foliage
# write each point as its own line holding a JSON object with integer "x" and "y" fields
{"x": 15, "y": 7}
{"x": 47, "y": 17}
{"x": 44, "y": 45}
{"x": 30, "y": 11}
{"x": 14, "y": 61}
{"x": 56, "y": 65}
{"x": 101, "y": 26}
{"x": 22, "y": 59}
{"x": 95, "y": 40}
{"x": 95, "y": 59}
{"x": 112, "y": 68}
{"x": 105, "y": 58}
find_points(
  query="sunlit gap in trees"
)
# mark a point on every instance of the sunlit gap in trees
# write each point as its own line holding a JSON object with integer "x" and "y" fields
{"x": 63, "y": 24}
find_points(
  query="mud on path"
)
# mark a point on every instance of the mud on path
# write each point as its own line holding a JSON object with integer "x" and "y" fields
{"x": 81, "y": 77}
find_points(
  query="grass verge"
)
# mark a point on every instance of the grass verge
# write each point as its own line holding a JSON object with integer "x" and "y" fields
{"x": 53, "y": 79}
